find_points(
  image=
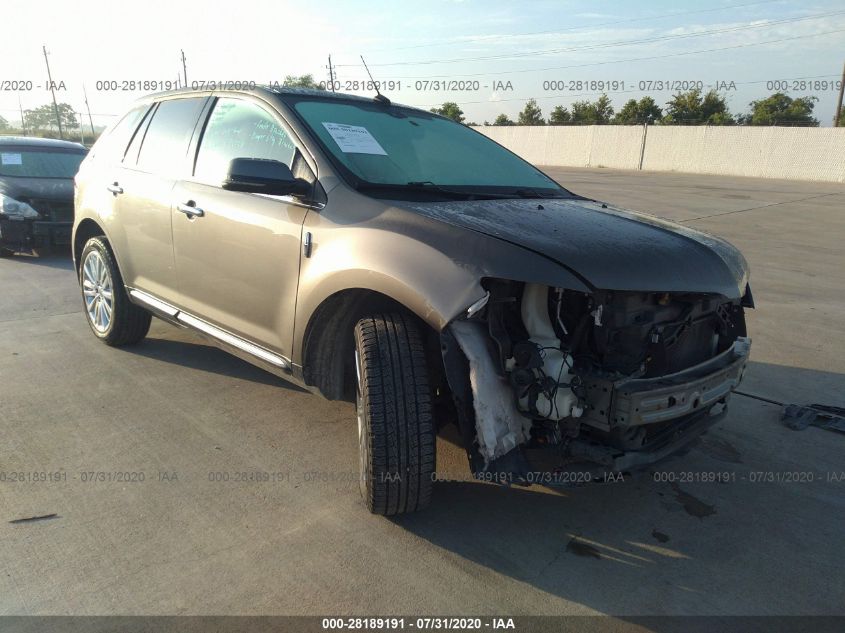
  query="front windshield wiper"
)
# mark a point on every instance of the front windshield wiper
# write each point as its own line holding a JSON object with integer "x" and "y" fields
{"x": 521, "y": 192}
{"x": 417, "y": 186}
{"x": 533, "y": 193}
{"x": 432, "y": 187}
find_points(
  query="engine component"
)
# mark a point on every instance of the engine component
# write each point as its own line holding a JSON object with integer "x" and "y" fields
{"x": 540, "y": 370}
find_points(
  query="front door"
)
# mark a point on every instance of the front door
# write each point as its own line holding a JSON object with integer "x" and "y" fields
{"x": 238, "y": 254}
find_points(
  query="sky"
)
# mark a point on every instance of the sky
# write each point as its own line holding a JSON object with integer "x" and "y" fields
{"x": 497, "y": 54}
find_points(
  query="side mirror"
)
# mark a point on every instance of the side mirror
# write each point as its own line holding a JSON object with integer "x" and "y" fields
{"x": 262, "y": 175}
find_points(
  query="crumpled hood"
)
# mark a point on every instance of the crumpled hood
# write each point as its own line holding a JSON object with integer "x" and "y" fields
{"x": 608, "y": 247}
{"x": 21, "y": 188}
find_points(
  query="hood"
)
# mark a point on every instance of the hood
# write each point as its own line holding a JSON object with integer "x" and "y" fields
{"x": 608, "y": 247}
{"x": 25, "y": 189}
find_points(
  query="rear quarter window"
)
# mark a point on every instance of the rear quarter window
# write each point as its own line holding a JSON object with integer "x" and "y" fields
{"x": 165, "y": 143}
{"x": 112, "y": 145}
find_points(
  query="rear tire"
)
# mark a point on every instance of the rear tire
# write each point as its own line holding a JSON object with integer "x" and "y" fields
{"x": 113, "y": 318}
{"x": 396, "y": 439}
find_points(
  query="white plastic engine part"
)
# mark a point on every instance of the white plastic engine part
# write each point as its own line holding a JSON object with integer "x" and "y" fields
{"x": 556, "y": 364}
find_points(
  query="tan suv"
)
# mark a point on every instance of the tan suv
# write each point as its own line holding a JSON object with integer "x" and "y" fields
{"x": 383, "y": 254}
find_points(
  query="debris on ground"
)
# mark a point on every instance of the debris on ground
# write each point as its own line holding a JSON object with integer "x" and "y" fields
{"x": 798, "y": 417}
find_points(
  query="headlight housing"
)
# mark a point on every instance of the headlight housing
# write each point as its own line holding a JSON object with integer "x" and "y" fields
{"x": 16, "y": 210}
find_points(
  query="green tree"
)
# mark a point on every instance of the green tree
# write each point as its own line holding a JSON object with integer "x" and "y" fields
{"x": 842, "y": 117}
{"x": 302, "y": 81}
{"x": 44, "y": 117}
{"x": 781, "y": 109}
{"x": 636, "y": 112}
{"x": 560, "y": 116}
{"x": 4, "y": 124}
{"x": 450, "y": 110}
{"x": 503, "y": 119}
{"x": 598, "y": 112}
{"x": 690, "y": 108}
{"x": 531, "y": 114}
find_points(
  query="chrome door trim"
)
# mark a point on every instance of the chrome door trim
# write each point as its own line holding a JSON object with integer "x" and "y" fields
{"x": 151, "y": 301}
{"x": 234, "y": 341}
{"x": 211, "y": 330}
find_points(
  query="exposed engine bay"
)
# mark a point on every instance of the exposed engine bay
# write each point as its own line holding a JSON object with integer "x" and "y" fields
{"x": 613, "y": 378}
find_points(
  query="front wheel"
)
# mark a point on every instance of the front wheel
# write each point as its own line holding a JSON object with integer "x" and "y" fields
{"x": 396, "y": 440}
{"x": 113, "y": 318}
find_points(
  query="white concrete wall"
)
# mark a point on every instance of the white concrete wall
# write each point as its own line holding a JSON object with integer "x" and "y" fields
{"x": 762, "y": 152}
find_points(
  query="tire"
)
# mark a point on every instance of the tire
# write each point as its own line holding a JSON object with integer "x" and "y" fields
{"x": 396, "y": 439}
{"x": 117, "y": 321}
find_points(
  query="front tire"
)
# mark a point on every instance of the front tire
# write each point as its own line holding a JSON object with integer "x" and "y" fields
{"x": 396, "y": 439}
{"x": 113, "y": 318}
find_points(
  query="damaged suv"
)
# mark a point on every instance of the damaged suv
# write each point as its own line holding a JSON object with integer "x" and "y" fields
{"x": 389, "y": 256}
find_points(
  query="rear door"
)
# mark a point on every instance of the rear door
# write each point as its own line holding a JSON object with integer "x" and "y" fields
{"x": 156, "y": 158}
{"x": 238, "y": 262}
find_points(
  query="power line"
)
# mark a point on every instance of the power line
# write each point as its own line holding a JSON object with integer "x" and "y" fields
{"x": 621, "y": 43}
{"x": 480, "y": 38}
{"x": 620, "y": 61}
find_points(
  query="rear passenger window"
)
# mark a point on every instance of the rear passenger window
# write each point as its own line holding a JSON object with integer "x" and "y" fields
{"x": 239, "y": 129}
{"x": 168, "y": 135}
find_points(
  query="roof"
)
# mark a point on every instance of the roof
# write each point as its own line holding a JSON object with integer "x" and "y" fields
{"x": 32, "y": 141}
{"x": 272, "y": 91}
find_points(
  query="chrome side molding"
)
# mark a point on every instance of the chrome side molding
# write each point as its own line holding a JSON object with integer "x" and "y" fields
{"x": 151, "y": 301}
{"x": 211, "y": 330}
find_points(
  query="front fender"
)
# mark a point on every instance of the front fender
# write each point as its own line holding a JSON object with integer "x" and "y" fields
{"x": 433, "y": 269}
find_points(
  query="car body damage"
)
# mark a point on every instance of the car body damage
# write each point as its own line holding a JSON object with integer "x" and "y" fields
{"x": 604, "y": 246}
{"x": 600, "y": 382}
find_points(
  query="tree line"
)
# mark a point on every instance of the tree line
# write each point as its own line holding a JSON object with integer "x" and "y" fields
{"x": 684, "y": 108}
{"x": 41, "y": 121}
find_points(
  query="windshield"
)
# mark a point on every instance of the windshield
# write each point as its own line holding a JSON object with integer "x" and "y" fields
{"x": 28, "y": 162}
{"x": 394, "y": 146}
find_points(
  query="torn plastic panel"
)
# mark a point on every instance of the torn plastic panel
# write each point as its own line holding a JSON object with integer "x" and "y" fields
{"x": 499, "y": 426}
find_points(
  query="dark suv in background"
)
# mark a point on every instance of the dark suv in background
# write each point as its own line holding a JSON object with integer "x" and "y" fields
{"x": 36, "y": 192}
{"x": 389, "y": 256}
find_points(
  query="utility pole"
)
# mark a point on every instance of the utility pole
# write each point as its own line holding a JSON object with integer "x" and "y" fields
{"x": 838, "y": 112}
{"x": 88, "y": 107}
{"x": 331, "y": 73}
{"x": 184, "y": 67}
{"x": 23, "y": 122}
{"x": 81, "y": 129}
{"x": 53, "y": 90}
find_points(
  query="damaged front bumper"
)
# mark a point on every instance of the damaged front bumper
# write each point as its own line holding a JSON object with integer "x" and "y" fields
{"x": 641, "y": 401}
{"x": 628, "y": 424}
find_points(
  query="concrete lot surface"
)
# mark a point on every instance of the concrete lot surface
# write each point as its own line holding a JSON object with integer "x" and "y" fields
{"x": 181, "y": 413}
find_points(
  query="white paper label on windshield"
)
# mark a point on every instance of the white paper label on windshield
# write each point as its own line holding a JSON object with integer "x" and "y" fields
{"x": 7, "y": 158}
{"x": 354, "y": 139}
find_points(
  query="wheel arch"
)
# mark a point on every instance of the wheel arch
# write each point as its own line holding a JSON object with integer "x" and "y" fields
{"x": 328, "y": 342}
{"x": 84, "y": 231}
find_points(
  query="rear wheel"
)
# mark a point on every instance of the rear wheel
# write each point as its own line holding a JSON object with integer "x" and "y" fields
{"x": 112, "y": 317}
{"x": 396, "y": 440}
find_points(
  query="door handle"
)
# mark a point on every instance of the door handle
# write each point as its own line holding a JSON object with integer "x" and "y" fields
{"x": 115, "y": 188}
{"x": 190, "y": 209}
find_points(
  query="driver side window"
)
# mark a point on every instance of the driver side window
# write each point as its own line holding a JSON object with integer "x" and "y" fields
{"x": 239, "y": 129}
